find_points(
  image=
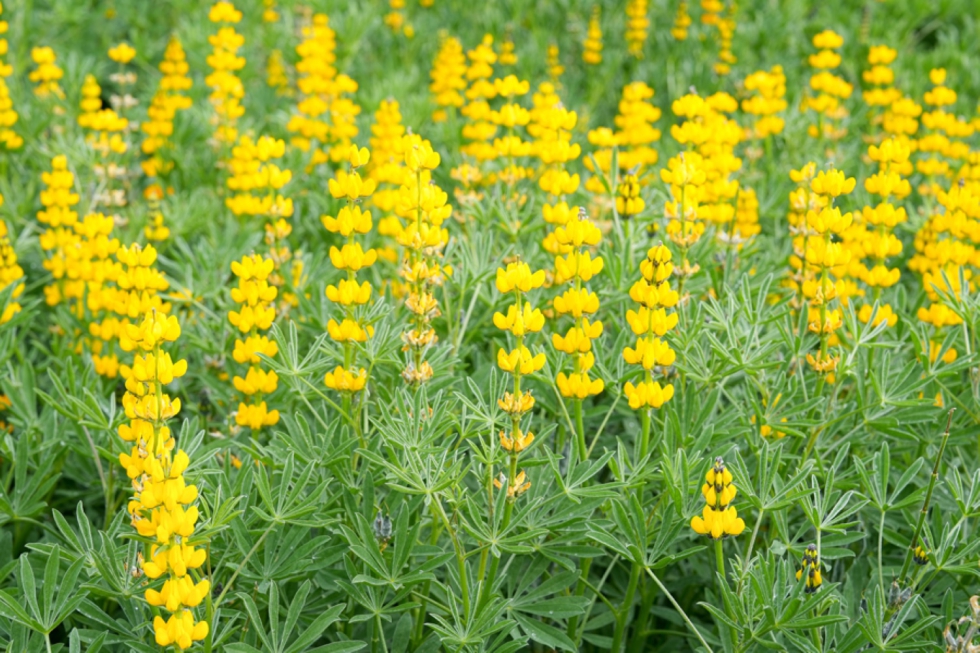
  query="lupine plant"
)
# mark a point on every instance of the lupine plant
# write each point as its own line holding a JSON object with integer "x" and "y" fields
{"x": 430, "y": 326}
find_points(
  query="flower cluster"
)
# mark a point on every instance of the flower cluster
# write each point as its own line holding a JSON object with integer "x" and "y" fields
{"x": 255, "y": 184}
{"x": 94, "y": 277}
{"x": 551, "y": 125}
{"x": 726, "y": 32}
{"x": 227, "y": 91}
{"x": 511, "y": 147}
{"x": 521, "y": 319}
{"x": 829, "y": 259}
{"x": 507, "y": 56}
{"x": 11, "y": 274}
{"x": 880, "y": 79}
{"x": 870, "y": 238}
{"x": 553, "y": 62}
{"x": 123, "y": 101}
{"x": 423, "y": 206}
{"x": 350, "y": 259}
{"x": 685, "y": 177}
{"x": 276, "y": 76}
{"x": 637, "y": 26}
{"x": 161, "y": 508}
{"x": 682, "y": 22}
{"x": 650, "y": 324}
{"x": 447, "y": 75}
{"x": 719, "y": 517}
{"x": 324, "y": 124}
{"x": 574, "y": 265}
{"x": 107, "y": 137}
{"x": 59, "y": 217}
{"x": 708, "y": 129}
{"x": 941, "y": 149}
{"x": 830, "y": 89}
{"x": 168, "y": 99}
{"x": 592, "y": 47}
{"x": 767, "y": 102}
{"x": 8, "y": 116}
{"x": 46, "y": 74}
{"x": 136, "y": 292}
{"x": 255, "y": 314}
{"x": 632, "y": 139}
{"x": 479, "y": 130}
{"x": 386, "y": 168}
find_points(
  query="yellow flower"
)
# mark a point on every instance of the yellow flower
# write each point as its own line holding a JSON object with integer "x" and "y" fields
{"x": 519, "y": 321}
{"x": 578, "y": 385}
{"x": 122, "y": 53}
{"x": 648, "y": 393}
{"x": 518, "y": 276}
{"x": 345, "y": 380}
{"x": 520, "y": 360}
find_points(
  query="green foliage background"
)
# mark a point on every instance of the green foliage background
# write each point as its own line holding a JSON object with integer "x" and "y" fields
{"x": 293, "y": 557}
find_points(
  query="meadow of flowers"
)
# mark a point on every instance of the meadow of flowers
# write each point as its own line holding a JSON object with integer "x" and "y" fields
{"x": 431, "y": 325}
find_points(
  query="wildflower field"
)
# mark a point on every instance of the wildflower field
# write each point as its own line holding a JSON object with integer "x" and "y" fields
{"x": 433, "y": 325}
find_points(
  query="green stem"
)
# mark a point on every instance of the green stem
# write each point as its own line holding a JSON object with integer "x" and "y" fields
{"x": 584, "y": 565}
{"x": 491, "y": 578}
{"x": 925, "y": 503}
{"x": 680, "y": 610}
{"x": 624, "y": 610}
{"x": 583, "y": 451}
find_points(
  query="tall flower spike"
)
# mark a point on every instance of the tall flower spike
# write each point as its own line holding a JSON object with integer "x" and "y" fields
{"x": 169, "y": 98}
{"x": 828, "y": 258}
{"x": 108, "y": 135}
{"x": 682, "y": 22}
{"x": 11, "y": 274}
{"x": 766, "y": 102}
{"x": 58, "y": 238}
{"x": 9, "y": 139}
{"x": 633, "y": 138}
{"x": 227, "y": 91}
{"x": 92, "y": 265}
{"x": 324, "y": 123}
{"x": 423, "y": 207}
{"x": 162, "y": 506}
{"x": 478, "y": 130}
{"x": 870, "y": 238}
{"x": 880, "y": 79}
{"x": 46, "y": 74}
{"x": 388, "y": 172}
{"x": 255, "y": 315}
{"x": 551, "y": 126}
{"x": 827, "y": 90}
{"x": 350, "y": 294}
{"x": 447, "y": 75}
{"x": 256, "y": 185}
{"x": 637, "y": 26}
{"x": 592, "y": 47}
{"x": 520, "y": 320}
{"x": 576, "y": 240}
{"x": 650, "y": 323}
{"x": 719, "y": 518}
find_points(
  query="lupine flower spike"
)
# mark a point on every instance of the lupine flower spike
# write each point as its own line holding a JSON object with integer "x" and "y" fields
{"x": 161, "y": 508}
{"x": 351, "y": 258}
{"x": 719, "y": 518}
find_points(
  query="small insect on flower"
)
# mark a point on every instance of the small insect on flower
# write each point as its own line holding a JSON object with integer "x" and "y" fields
{"x": 810, "y": 567}
{"x": 382, "y": 530}
{"x": 920, "y": 556}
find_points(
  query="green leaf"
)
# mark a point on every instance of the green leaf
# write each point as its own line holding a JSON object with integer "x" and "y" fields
{"x": 543, "y": 633}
